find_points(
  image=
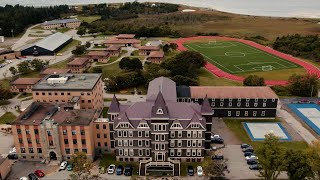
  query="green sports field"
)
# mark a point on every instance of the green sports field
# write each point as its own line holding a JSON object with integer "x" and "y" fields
{"x": 236, "y": 57}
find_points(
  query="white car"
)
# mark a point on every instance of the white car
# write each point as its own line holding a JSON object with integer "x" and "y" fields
{"x": 199, "y": 171}
{"x": 111, "y": 169}
{"x": 63, "y": 165}
{"x": 216, "y": 136}
{"x": 13, "y": 151}
{"x": 251, "y": 157}
{"x": 23, "y": 178}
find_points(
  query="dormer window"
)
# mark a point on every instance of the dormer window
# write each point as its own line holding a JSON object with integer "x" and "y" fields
{"x": 143, "y": 125}
{"x": 195, "y": 126}
{"x": 159, "y": 111}
{"x": 176, "y": 126}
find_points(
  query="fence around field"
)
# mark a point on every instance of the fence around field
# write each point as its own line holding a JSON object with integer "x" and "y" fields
{"x": 311, "y": 69}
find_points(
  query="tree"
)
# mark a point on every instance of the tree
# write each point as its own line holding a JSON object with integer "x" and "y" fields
{"x": 191, "y": 57}
{"x": 5, "y": 94}
{"x": 24, "y": 67}
{"x": 215, "y": 169}
{"x": 296, "y": 165}
{"x": 130, "y": 64}
{"x": 173, "y": 46}
{"x": 96, "y": 69}
{"x": 79, "y": 50}
{"x": 81, "y": 166}
{"x": 271, "y": 157}
{"x": 313, "y": 153}
{"x": 182, "y": 80}
{"x": 254, "y": 80}
{"x": 38, "y": 65}
{"x": 88, "y": 44}
{"x": 166, "y": 48}
{"x": 81, "y": 31}
{"x": 13, "y": 70}
{"x": 303, "y": 85}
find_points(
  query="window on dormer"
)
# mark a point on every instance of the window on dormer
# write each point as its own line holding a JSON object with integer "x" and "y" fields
{"x": 159, "y": 111}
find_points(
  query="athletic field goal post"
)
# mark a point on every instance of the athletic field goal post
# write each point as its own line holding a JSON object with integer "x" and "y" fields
{"x": 266, "y": 68}
{"x": 212, "y": 42}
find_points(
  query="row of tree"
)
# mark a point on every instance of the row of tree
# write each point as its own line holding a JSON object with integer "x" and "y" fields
{"x": 14, "y": 19}
{"x": 300, "y": 46}
{"x": 298, "y": 85}
{"x": 28, "y": 66}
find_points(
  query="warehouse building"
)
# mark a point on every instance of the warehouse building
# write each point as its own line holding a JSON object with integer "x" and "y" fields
{"x": 61, "y": 23}
{"x": 47, "y": 46}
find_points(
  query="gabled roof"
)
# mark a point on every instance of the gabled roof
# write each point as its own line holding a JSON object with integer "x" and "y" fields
{"x": 151, "y": 48}
{"x": 176, "y": 122}
{"x": 52, "y": 42}
{"x": 156, "y": 54}
{"x": 113, "y": 48}
{"x": 123, "y": 119}
{"x": 165, "y": 85}
{"x": 196, "y": 120}
{"x": 79, "y": 61}
{"x": 55, "y": 71}
{"x": 25, "y": 81}
{"x": 114, "y": 106}
{"x": 125, "y": 36}
{"x": 98, "y": 53}
{"x": 61, "y": 21}
{"x": 159, "y": 109}
{"x": 205, "y": 107}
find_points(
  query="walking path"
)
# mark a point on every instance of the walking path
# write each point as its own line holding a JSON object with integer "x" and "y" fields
{"x": 128, "y": 53}
{"x": 296, "y": 125}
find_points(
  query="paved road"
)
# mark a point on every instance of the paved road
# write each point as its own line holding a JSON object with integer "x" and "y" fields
{"x": 6, "y": 143}
{"x": 296, "y": 125}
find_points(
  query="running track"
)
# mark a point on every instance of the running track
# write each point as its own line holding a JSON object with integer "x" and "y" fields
{"x": 311, "y": 69}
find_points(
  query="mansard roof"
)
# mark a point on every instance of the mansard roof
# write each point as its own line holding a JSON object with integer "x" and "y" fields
{"x": 114, "y": 106}
{"x": 205, "y": 107}
{"x": 159, "y": 109}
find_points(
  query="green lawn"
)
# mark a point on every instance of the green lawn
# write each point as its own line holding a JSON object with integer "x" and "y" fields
{"x": 113, "y": 59}
{"x": 8, "y": 117}
{"x": 61, "y": 64}
{"x": 236, "y": 57}
{"x": 63, "y": 30}
{"x": 73, "y": 43}
{"x": 89, "y": 19}
{"x": 23, "y": 95}
{"x": 27, "y": 99}
{"x": 5, "y": 83}
{"x": 236, "y": 126}
{"x": 108, "y": 159}
{"x": 2, "y": 61}
{"x": 206, "y": 78}
{"x": 123, "y": 52}
{"x": 135, "y": 53}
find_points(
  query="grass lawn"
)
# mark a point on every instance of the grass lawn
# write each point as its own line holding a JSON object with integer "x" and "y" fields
{"x": 110, "y": 99}
{"x": 73, "y": 43}
{"x": 89, "y": 19}
{"x": 236, "y": 126}
{"x": 105, "y": 112}
{"x": 63, "y": 30}
{"x": 2, "y": 61}
{"x": 113, "y": 59}
{"x": 135, "y": 53}
{"x": 37, "y": 27}
{"x": 282, "y": 74}
{"x": 206, "y": 78}
{"x": 8, "y": 117}
{"x": 236, "y": 57}
{"x": 60, "y": 65}
{"x": 23, "y": 95}
{"x": 108, "y": 159}
{"x": 123, "y": 52}
{"x": 5, "y": 83}
{"x": 111, "y": 70}
{"x": 27, "y": 99}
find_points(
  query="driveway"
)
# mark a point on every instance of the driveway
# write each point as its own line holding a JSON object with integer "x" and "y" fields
{"x": 6, "y": 143}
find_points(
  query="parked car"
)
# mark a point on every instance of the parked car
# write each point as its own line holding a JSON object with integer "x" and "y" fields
{"x": 39, "y": 173}
{"x": 255, "y": 167}
{"x": 217, "y": 157}
{"x": 251, "y": 157}
{"x": 12, "y": 156}
{"x": 128, "y": 170}
{"x": 252, "y": 161}
{"x": 23, "y": 178}
{"x": 69, "y": 167}
{"x": 199, "y": 171}
{"x": 111, "y": 169}
{"x": 248, "y": 149}
{"x": 63, "y": 165}
{"x": 214, "y": 136}
{"x": 217, "y": 141}
{"x": 190, "y": 171}
{"x": 102, "y": 170}
{"x": 249, "y": 154}
{"x": 245, "y": 146}
{"x": 32, "y": 176}
{"x": 119, "y": 170}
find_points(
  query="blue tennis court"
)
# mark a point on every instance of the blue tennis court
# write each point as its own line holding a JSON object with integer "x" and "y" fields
{"x": 258, "y": 130}
{"x": 309, "y": 113}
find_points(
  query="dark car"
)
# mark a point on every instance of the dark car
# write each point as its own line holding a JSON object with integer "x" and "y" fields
{"x": 252, "y": 161}
{"x": 255, "y": 167}
{"x": 245, "y": 145}
{"x": 128, "y": 170}
{"x": 39, "y": 173}
{"x": 32, "y": 176}
{"x": 190, "y": 171}
{"x": 248, "y": 149}
{"x": 249, "y": 154}
{"x": 119, "y": 170}
{"x": 217, "y": 141}
{"x": 217, "y": 157}
{"x": 12, "y": 156}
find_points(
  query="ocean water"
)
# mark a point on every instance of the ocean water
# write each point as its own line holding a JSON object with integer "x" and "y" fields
{"x": 275, "y": 8}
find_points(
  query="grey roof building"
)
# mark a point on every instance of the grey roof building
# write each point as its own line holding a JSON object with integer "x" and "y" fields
{"x": 48, "y": 45}
{"x": 61, "y": 21}
{"x": 161, "y": 131}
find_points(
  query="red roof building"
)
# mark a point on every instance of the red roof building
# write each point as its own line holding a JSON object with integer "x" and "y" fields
{"x": 156, "y": 57}
{"x": 78, "y": 65}
{"x": 99, "y": 56}
{"x": 23, "y": 84}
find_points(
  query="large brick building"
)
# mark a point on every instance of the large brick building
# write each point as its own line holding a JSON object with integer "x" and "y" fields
{"x": 61, "y": 23}
{"x": 84, "y": 89}
{"x": 23, "y": 84}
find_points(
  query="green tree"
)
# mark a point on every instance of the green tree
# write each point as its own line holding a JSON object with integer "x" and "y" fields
{"x": 130, "y": 64}
{"x": 13, "y": 70}
{"x": 313, "y": 153}
{"x": 166, "y": 48}
{"x": 254, "y": 80}
{"x": 182, "y": 80}
{"x": 38, "y": 65}
{"x": 24, "y": 67}
{"x": 296, "y": 165}
{"x": 81, "y": 31}
{"x": 81, "y": 166}
{"x": 271, "y": 157}
{"x": 173, "y": 46}
{"x": 79, "y": 50}
{"x": 303, "y": 85}
{"x": 191, "y": 57}
{"x": 5, "y": 94}
{"x": 88, "y": 44}
{"x": 96, "y": 69}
